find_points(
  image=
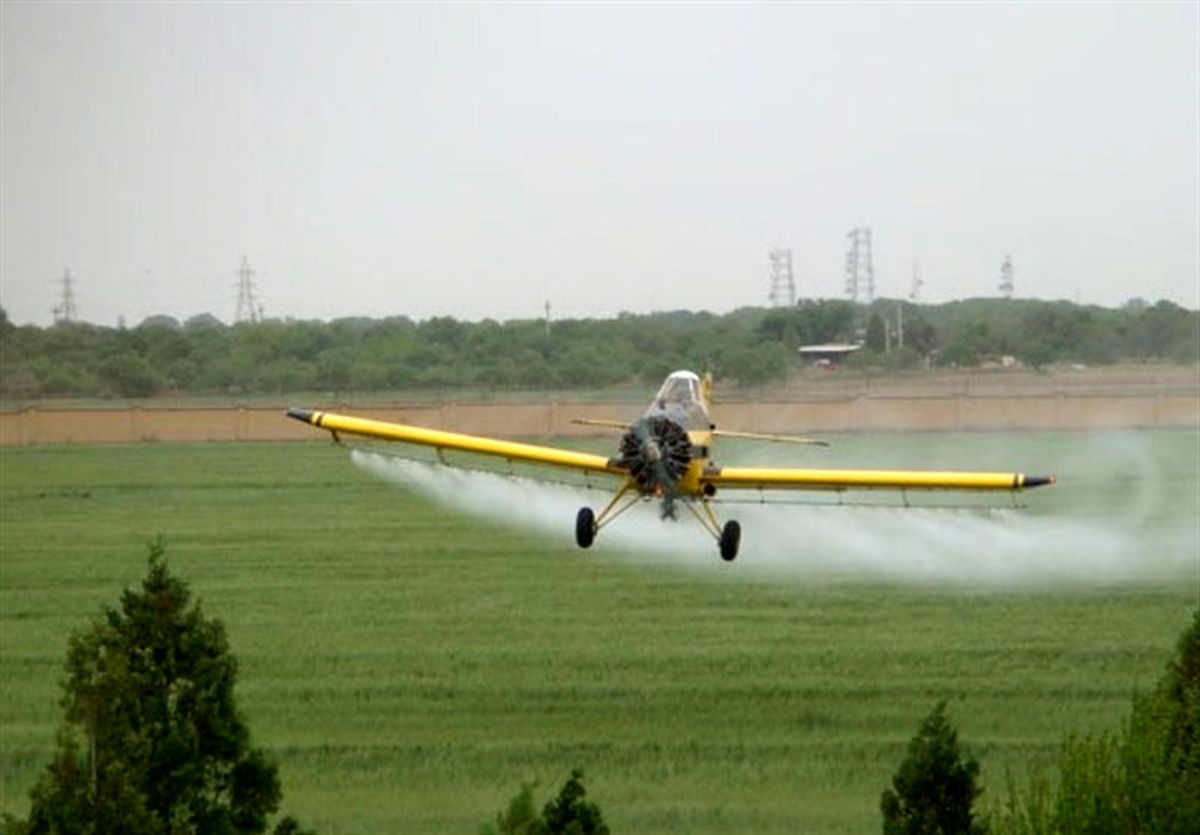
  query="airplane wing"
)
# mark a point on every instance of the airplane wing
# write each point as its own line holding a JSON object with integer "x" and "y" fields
{"x": 766, "y": 478}
{"x": 436, "y": 439}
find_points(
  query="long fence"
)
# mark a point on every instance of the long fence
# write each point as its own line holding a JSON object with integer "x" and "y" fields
{"x": 863, "y": 412}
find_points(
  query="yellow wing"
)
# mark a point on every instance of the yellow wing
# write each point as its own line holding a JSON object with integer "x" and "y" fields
{"x": 766, "y": 478}
{"x": 528, "y": 453}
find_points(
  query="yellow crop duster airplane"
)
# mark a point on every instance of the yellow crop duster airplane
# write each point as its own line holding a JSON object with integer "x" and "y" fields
{"x": 667, "y": 454}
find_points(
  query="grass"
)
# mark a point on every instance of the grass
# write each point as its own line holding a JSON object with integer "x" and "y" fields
{"x": 409, "y": 666}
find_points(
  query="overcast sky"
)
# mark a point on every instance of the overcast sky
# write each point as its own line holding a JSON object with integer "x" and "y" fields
{"x": 475, "y": 160}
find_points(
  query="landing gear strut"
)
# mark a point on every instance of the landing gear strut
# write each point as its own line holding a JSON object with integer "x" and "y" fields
{"x": 588, "y": 524}
{"x": 728, "y": 537}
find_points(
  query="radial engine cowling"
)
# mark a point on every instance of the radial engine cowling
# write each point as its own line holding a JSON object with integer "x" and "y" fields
{"x": 656, "y": 451}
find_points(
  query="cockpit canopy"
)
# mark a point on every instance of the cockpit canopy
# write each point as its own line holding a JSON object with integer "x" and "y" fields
{"x": 680, "y": 399}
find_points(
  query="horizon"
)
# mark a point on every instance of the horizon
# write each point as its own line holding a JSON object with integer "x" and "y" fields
{"x": 182, "y": 320}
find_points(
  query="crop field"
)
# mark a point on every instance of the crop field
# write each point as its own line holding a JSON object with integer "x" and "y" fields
{"x": 412, "y": 653}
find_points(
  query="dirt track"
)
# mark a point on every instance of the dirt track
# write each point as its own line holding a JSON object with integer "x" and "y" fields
{"x": 830, "y": 403}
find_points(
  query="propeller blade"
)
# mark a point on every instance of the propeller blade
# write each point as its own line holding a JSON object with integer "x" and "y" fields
{"x": 755, "y": 436}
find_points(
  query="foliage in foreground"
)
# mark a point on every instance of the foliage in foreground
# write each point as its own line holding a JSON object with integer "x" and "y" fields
{"x": 152, "y": 741}
{"x": 1143, "y": 779}
{"x": 934, "y": 790}
{"x": 567, "y": 814}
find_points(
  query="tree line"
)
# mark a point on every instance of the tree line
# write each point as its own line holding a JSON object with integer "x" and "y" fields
{"x": 751, "y": 346}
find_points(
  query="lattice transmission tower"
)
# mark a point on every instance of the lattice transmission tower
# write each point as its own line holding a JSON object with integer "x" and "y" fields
{"x": 65, "y": 311}
{"x": 247, "y": 309}
{"x": 860, "y": 273}
{"x": 783, "y": 280}
{"x": 1006, "y": 277}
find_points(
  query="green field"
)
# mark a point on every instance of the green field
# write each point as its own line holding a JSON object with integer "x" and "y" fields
{"x": 410, "y": 665}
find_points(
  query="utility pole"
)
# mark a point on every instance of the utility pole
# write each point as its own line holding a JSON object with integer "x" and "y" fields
{"x": 547, "y": 318}
{"x": 247, "y": 309}
{"x": 65, "y": 311}
{"x": 783, "y": 281}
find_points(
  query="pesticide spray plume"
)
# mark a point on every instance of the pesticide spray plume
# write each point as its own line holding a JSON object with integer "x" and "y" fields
{"x": 954, "y": 548}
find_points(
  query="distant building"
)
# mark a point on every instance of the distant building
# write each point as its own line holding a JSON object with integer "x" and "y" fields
{"x": 828, "y": 355}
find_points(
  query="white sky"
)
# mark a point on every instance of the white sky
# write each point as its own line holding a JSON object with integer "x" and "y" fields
{"x": 473, "y": 160}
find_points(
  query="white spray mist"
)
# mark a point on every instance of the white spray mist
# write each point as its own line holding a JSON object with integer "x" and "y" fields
{"x": 804, "y": 543}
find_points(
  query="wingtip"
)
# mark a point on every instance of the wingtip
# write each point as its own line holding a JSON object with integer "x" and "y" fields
{"x": 1040, "y": 480}
{"x": 304, "y": 415}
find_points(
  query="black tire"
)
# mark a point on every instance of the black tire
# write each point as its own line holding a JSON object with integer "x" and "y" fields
{"x": 585, "y": 527}
{"x": 731, "y": 537}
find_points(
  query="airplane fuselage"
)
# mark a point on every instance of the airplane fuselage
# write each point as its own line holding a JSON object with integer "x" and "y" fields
{"x": 668, "y": 449}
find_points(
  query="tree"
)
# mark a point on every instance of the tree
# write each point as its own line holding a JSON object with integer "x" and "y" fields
{"x": 919, "y": 335}
{"x": 520, "y": 818}
{"x": 809, "y": 321}
{"x": 1146, "y": 778}
{"x": 969, "y": 345}
{"x": 754, "y": 366}
{"x": 131, "y": 375}
{"x": 6, "y": 326}
{"x": 934, "y": 789}
{"x": 876, "y": 339}
{"x": 567, "y": 814}
{"x": 152, "y": 741}
{"x": 570, "y": 814}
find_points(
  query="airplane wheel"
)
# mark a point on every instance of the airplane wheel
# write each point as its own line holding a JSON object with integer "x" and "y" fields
{"x": 731, "y": 537}
{"x": 585, "y": 527}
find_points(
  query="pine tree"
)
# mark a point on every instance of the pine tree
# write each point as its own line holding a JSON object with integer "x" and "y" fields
{"x": 570, "y": 814}
{"x": 934, "y": 789}
{"x": 152, "y": 741}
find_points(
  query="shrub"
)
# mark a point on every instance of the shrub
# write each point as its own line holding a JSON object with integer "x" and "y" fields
{"x": 934, "y": 789}
{"x": 567, "y": 814}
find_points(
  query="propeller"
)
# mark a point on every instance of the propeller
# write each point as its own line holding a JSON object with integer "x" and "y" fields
{"x": 656, "y": 451}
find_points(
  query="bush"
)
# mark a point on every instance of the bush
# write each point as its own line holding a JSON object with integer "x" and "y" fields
{"x": 1144, "y": 779}
{"x": 131, "y": 375}
{"x": 567, "y": 814}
